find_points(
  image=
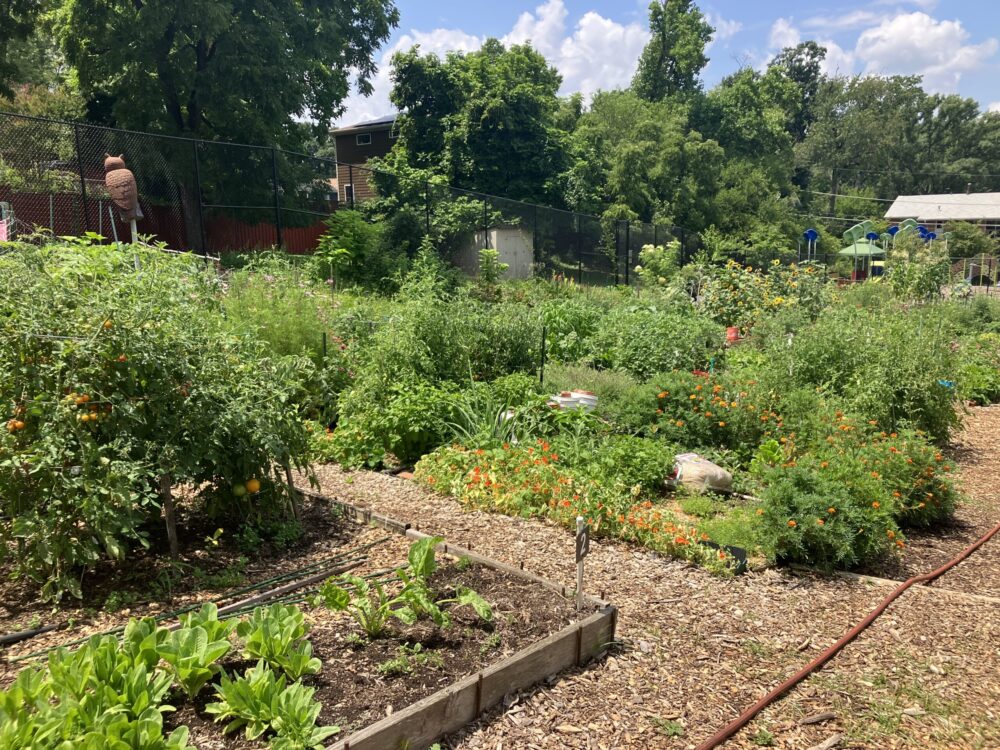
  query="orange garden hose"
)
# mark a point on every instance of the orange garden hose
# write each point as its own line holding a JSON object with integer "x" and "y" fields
{"x": 747, "y": 716}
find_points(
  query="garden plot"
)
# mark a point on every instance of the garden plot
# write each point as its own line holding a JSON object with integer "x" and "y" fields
{"x": 387, "y": 644}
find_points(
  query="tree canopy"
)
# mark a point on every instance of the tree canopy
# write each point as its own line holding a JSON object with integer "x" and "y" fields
{"x": 241, "y": 70}
{"x": 675, "y": 55}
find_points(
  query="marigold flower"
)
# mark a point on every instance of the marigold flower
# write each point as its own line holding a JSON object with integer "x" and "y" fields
{"x": 831, "y": 509}
{"x": 680, "y": 540}
{"x": 662, "y": 394}
{"x": 792, "y": 524}
{"x": 820, "y": 522}
{"x": 876, "y": 475}
{"x": 900, "y": 543}
{"x": 897, "y": 493}
{"x": 891, "y": 534}
{"x": 680, "y": 423}
{"x": 692, "y": 397}
{"x": 760, "y": 511}
{"x": 722, "y": 424}
{"x": 876, "y": 504}
{"x": 824, "y": 464}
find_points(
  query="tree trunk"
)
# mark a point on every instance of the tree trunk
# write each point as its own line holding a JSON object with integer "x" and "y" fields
{"x": 167, "y": 497}
{"x": 292, "y": 492}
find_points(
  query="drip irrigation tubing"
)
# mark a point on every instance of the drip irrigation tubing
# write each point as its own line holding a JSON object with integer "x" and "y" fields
{"x": 326, "y": 566}
{"x": 748, "y": 714}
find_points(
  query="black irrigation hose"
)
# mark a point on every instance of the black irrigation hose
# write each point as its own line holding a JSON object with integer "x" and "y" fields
{"x": 23, "y": 635}
{"x": 318, "y": 565}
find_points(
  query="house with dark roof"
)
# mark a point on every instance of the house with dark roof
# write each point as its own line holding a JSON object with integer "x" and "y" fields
{"x": 356, "y": 144}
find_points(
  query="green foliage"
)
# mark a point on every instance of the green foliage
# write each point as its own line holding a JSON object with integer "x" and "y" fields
{"x": 119, "y": 378}
{"x": 915, "y": 268}
{"x": 371, "y": 606}
{"x": 207, "y": 618}
{"x": 409, "y": 658}
{"x": 659, "y": 263}
{"x": 620, "y": 460}
{"x": 191, "y": 657}
{"x": 353, "y": 251}
{"x": 672, "y": 60}
{"x": 196, "y": 50}
{"x": 569, "y": 323}
{"x": 259, "y": 700}
{"x": 646, "y": 340}
{"x": 276, "y": 634}
{"x": 967, "y": 240}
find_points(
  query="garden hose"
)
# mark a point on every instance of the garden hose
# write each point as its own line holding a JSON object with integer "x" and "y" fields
{"x": 748, "y": 714}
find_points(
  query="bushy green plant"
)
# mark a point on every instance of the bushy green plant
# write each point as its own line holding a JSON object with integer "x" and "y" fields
{"x": 259, "y": 700}
{"x": 569, "y": 324}
{"x": 276, "y": 634}
{"x": 643, "y": 341}
{"x": 620, "y": 460}
{"x": 191, "y": 657}
{"x": 658, "y": 264}
{"x": 826, "y": 513}
{"x": 118, "y": 378}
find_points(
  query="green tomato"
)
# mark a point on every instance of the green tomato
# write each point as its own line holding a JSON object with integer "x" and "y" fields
{"x": 239, "y": 490}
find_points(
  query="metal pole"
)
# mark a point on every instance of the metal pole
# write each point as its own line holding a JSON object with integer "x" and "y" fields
{"x": 655, "y": 243}
{"x": 197, "y": 180}
{"x": 83, "y": 182}
{"x": 486, "y": 224}
{"x": 618, "y": 250}
{"x": 628, "y": 249}
{"x": 579, "y": 251}
{"x": 534, "y": 236}
{"x": 579, "y": 566}
{"x": 350, "y": 179}
{"x": 427, "y": 207}
{"x": 277, "y": 200}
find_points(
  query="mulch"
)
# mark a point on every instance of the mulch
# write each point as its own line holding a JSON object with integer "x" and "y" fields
{"x": 697, "y": 649}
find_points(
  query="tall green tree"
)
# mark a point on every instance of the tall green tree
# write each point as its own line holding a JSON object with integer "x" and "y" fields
{"x": 801, "y": 64}
{"x": 17, "y": 24}
{"x": 248, "y": 70}
{"x": 675, "y": 54}
{"x": 487, "y": 120}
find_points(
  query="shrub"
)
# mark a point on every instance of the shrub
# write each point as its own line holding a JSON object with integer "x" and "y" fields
{"x": 569, "y": 324}
{"x": 644, "y": 341}
{"x": 828, "y": 514}
{"x": 124, "y": 378}
{"x": 628, "y": 405}
{"x": 622, "y": 461}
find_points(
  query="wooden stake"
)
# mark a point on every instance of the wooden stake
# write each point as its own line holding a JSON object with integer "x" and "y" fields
{"x": 292, "y": 492}
{"x": 167, "y": 498}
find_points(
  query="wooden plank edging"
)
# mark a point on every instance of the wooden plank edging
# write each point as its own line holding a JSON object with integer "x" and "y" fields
{"x": 422, "y": 723}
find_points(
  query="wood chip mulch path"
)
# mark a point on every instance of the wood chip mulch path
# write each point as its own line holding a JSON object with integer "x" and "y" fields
{"x": 698, "y": 649}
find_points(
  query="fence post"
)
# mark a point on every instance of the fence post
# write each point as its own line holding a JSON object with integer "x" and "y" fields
{"x": 618, "y": 250}
{"x": 277, "y": 200}
{"x": 486, "y": 224}
{"x": 579, "y": 251}
{"x": 197, "y": 181}
{"x": 628, "y": 248}
{"x": 83, "y": 182}
{"x": 350, "y": 180}
{"x": 655, "y": 242}
{"x": 534, "y": 234}
{"x": 427, "y": 206}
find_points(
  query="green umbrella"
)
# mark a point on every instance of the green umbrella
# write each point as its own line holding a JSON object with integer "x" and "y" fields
{"x": 862, "y": 249}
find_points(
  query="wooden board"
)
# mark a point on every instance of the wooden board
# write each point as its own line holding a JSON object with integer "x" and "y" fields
{"x": 419, "y": 725}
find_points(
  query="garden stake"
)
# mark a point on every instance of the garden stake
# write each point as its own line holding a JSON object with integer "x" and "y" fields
{"x": 168, "y": 514}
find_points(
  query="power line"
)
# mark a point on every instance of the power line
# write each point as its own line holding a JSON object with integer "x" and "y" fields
{"x": 907, "y": 199}
{"x": 911, "y": 173}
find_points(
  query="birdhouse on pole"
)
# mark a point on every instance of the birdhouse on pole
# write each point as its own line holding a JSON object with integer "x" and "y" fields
{"x": 123, "y": 190}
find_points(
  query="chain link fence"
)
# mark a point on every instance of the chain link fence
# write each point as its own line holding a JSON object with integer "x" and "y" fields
{"x": 216, "y": 197}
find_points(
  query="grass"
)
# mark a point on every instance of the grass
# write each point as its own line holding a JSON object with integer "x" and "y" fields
{"x": 763, "y": 738}
{"x": 668, "y": 727}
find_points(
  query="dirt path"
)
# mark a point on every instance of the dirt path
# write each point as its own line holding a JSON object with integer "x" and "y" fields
{"x": 698, "y": 649}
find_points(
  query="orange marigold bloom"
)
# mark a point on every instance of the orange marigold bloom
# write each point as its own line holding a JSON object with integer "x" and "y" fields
{"x": 662, "y": 394}
{"x": 875, "y": 475}
{"x": 820, "y": 522}
{"x": 876, "y": 504}
{"x": 697, "y": 387}
{"x": 760, "y": 511}
{"x": 680, "y": 423}
{"x": 824, "y": 464}
{"x": 722, "y": 424}
{"x": 891, "y": 534}
{"x": 680, "y": 540}
{"x": 831, "y": 509}
{"x": 792, "y": 524}
{"x": 692, "y": 397}
{"x": 900, "y": 543}
{"x": 897, "y": 493}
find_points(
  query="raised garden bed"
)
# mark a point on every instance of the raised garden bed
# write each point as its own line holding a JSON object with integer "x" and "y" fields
{"x": 415, "y": 682}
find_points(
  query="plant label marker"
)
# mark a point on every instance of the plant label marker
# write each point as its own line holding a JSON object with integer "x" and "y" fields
{"x": 582, "y": 550}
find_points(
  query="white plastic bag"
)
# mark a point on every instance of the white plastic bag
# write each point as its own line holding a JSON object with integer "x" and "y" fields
{"x": 701, "y": 474}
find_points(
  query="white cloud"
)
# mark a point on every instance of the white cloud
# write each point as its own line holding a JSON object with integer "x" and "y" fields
{"x": 725, "y": 28}
{"x": 994, "y": 107}
{"x": 856, "y": 19}
{"x": 783, "y": 34}
{"x": 838, "y": 61}
{"x": 598, "y": 54}
{"x": 545, "y": 28}
{"x": 917, "y": 44}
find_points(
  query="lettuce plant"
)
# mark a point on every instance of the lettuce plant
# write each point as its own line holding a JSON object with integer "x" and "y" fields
{"x": 191, "y": 657}
{"x": 276, "y": 634}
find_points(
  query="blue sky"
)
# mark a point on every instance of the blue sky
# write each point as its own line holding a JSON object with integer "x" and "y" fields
{"x": 954, "y": 44}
